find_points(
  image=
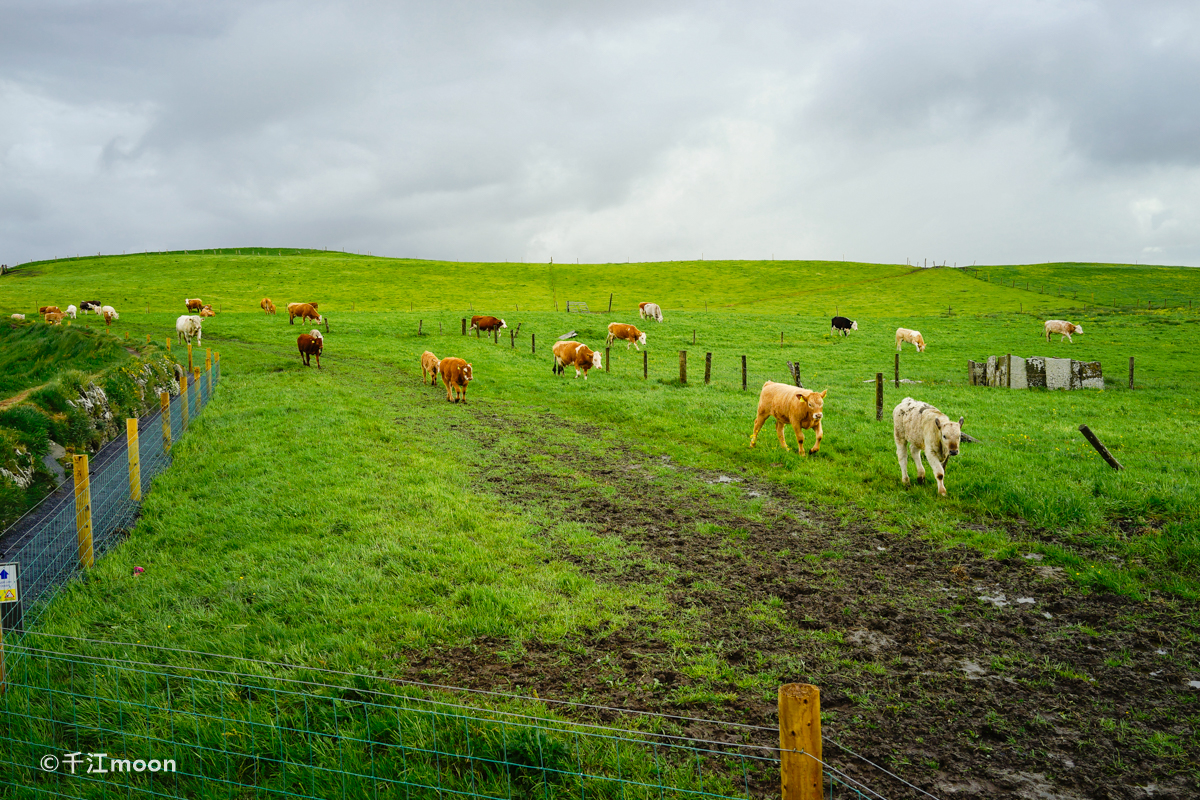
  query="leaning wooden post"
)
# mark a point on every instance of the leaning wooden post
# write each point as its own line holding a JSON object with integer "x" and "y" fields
{"x": 610, "y": 302}
{"x": 878, "y": 396}
{"x": 683, "y": 366}
{"x": 1100, "y": 448}
{"x": 607, "y": 358}
{"x": 135, "y": 460}
{"x": 83, "y": 511}
{"x": 512, "y": 338}
{"x": 707, "y": 367}
{"x": 800, "y": 756}
{"x": 743, "y": 373}
{"x": 147, "y": 338}
{"x": 897, "y": 370}
{"x": 164, "y": 399}
{"x": 1131, "y": 372}
{"x": 645, "y": 365}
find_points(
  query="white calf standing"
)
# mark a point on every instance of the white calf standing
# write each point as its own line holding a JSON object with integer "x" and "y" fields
{"x": 912, "y": 337}
{"x": 1062, "y": 327}
{"x": 188, "y": 326}
{"x": 919, "y": 426}
{"x": 70, "y": 312}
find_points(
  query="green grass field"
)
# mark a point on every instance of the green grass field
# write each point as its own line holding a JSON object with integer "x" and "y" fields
{"x": 350, "y": 518}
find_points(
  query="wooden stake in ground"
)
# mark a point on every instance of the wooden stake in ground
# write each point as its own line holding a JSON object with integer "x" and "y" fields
{"x": 743, "y": 373}
{"x": 610, "y": 302}
{"x": 878, "y": 396}
{"x": 800, "y": 742}
{"x": 607, "y": 359}
{"x": 420, "y": 325}
{"x": 464, "y": 326}
{"x": 707, "y": 367}
{"x": 897, "y": 370}
{"x": 645, "y": 365}
{"x": 533, "y": 343}
{"x": 1100, "y": 448}
{"x": 683, "y": 366}
{"x": 1131, "y": 372}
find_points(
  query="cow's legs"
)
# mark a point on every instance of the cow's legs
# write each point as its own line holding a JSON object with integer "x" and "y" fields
{"x": 916, "y": 451}
{"x": 758, "y": 423}
{"x": 902, "y": 457}
{"x": 449, "y": 397}
{"x": 939, "y": 472}
{"x": 819, "y": 433}
{"x": 779, "y": 425}
{"x": 799, "y": 434}
{"x": 318, "y": 360}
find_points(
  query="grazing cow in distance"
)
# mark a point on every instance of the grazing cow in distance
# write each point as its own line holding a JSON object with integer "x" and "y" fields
{"x": 270, "y": 309}
{"x": 188, "y": 326}
{"x": 54, "y": 318}
{"x": 19, "y": 317}
{"x": 487, "y": 324}
{"x": 193, "y": 303}
{"x": 429, "y": 366}
{"x": 49, "y": 310}
{"x": 842, "y": 325}
{"x": 577, "y": 355}
{"x": 310, "y": 344}
{"x": 790, "y": 405}
{"x": 630, "y": 334}
{"x": 305, "y": 311}
{"x": 1061, "y": 327}
{"x": 109, "y": 316}
{"x": 912, "y": 337}
{"x": 266, "y": 301}
{"x": 650, "y": 311}
{"x": 90, "y": 305}
{"x": 919, "y": 426}
{"x": 207, "y": 312}
{"x": 70, "y": 312}
{"x": 109, "y": 311}
{"x": 456, "y": 374}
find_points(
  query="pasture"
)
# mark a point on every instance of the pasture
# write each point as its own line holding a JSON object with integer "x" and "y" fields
{"x": 616, "y": 541}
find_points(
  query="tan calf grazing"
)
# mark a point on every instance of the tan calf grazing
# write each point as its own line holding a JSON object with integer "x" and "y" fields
{"x": 912, "y": 337}
{"x": 577, "y": 355}
{"x": 109, "y": 316}
{"x": 630, "y": 334}
{"x": 193, "y": 303}
{"x": 49, "y": 310}
{"x": 270, "y": 309}
{"x": 266, "y": 301}
{"x": 429, "y": 366}
{"x": 790, "y": 405}
{"x": 54, "y": 318}
{"x": 305, "y": 311}
{"x": 1061, "y": 327}
{"x": 920, "y": 427}
{"x": 456, "y": 374}
{"x": 310, "y": 344}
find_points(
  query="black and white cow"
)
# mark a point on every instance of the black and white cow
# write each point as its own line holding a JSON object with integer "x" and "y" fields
{"x": 844, "y": 325}
{"x": 90, "y": 305}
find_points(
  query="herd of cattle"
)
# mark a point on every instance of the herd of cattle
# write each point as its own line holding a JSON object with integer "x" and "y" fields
{"x": 918, "y": 428}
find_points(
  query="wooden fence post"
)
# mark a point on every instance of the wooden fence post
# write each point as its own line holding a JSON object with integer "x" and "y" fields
{"x": 683, "y": 366}
{"x": 147, "y": 338}
{"x": 189, "y": 356}
{"x": 645, "y": 365}
{"x": 533, "y": 343}
{"x": 1100, "y": 448}
{"x": 800, "y": 756}
{"x": 1131, "y": 372}
{"x": 512, "y": 338}
{"x": 196, "y": 383}
{"x": 693, "y": 335}
{"x": 420, "y": 327}
{"x": 83, "y": 511}
{"x": 610, "y": 302}
{"x": 165, "y": 400}
{"x": 185, "y": 395}
{"x": 607, "y": 358}
{"x": 743, "y": 373}
{"x": 464, "y": 326}
{"x": 707, "y": 367}
{"x": 208, "y": 358}
{"x": 878, "y": 396}
{"x": 897, "y": 370}
{"x": 496, "y": 336}
{"x": 135, "y": 460}
{"x": 781, "y": 338}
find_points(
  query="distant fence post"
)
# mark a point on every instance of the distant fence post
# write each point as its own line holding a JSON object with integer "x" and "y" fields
{"x": 610, "y": 302}
{"x": 147, "y": 338}
{"x": 217, "y": 365}
{"x": 707, "y": 367}
{"x": 897, "y": 370}
{"x": 607, "y": 358}
{"x": 165, "y": 400}
{"x": 420, "y": 326}
{"x": 645, "y": 365}
{"x": 464, "y": 326}
{"x": 743, "y": 373}
{"x": 135, "y": 460}
{"x": 878, "y": 396}
{"x": 533, "y": 343}
{"x": 683, "y": 366}
{"x": 800, "y": 742}
{"x": 1131, "y": 372}
{"x": 83, "y": 511}
{"x": 208, "y": 380}
{"x": 512, "y": 338}
{"x": 781, "y": 338}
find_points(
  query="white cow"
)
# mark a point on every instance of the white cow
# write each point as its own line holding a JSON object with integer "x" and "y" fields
{"x": 651, "y": 311}
{"x": 919, "y": 426}
{"x": 71, "y": 312}
{"x": 109, "y": 311}
{"x": 188, "y": 326}
{"x": 18, "y": 316}
{"x": 912, "y": 337}
{"x": 1062, "y": 327}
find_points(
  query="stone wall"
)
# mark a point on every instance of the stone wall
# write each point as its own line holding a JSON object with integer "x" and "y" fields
{"x": 1036, "y": 372}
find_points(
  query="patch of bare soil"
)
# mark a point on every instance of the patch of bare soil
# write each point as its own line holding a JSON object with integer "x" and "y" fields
{"x": 967, "y": 676}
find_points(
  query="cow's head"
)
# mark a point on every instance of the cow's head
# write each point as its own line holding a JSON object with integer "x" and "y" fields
{"x": 466, "y": 373}
{"x": 1076, "y": 329}
{"x": 503, "y": 324}
{"x": 816, "y": 402}
{"x": 854, "y": 325}
{"x": 597, "y": 360}
{"x": 316, "y": 334}
{"x": 642, "y": 339}
{"x": 951, "y": 433}
{"x": 920, "y": 343}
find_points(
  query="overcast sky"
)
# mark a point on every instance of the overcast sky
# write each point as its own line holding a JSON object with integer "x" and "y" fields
{"x": 996, "y": 132}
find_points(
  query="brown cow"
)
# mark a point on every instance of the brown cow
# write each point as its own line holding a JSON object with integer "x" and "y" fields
{"x": 207, "y": 312}
{"x": 429, "y": 366}
{"x": 303, "y": 310}
{"x": 54, "y": 318}
{"x": 629, "y": 333}
{"x": 109, "y": 316}
{"x": 577, "y": 355}
{"x": 193, "y": 303}
{"x": 49, "y": 310}
{"x": 266, "y": 301}
{"x": 487, "y": 324}
{"x": 456, "y": 374}
{"x": 790, "y": 405}
{"x": 310, "y": 344}
{"x": 270, "y": 308}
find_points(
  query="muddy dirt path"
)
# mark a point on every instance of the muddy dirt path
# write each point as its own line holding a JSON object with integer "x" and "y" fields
{"x": 967, "y": 676}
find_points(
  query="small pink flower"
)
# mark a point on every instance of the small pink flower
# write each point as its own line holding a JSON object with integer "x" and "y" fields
{"x": 138, "y": 570}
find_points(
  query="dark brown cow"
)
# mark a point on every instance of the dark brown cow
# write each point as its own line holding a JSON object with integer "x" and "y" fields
{"x": 487, "y": 324}
{"x": 311, "y": 344}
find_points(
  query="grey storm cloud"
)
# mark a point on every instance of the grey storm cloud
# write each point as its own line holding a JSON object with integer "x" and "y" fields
{"x": 1021, "y": 131}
